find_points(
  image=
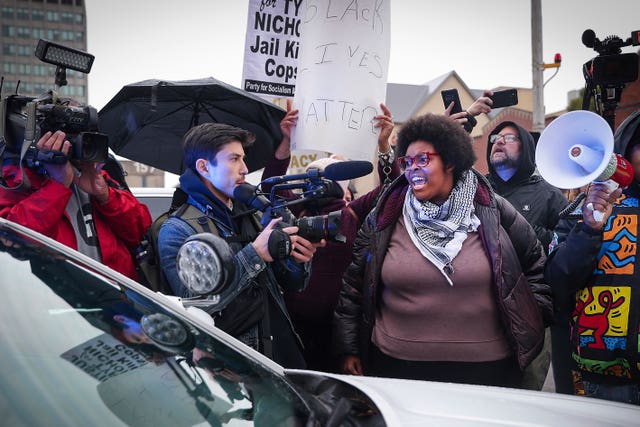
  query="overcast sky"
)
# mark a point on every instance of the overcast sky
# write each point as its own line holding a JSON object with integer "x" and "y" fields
{"x": 488, "y": 43}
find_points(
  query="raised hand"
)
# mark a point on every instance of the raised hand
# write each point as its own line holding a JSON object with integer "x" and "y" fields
{"x": 63, "y": 173}
{"x": 384, "y": 122}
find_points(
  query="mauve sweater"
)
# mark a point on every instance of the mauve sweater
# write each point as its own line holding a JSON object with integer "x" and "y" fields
{"x": 423, "y": 318}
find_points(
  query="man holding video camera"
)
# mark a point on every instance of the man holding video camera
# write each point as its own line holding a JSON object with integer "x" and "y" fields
{"x": 76, "y": 203}
{"x": 266, "y": 260}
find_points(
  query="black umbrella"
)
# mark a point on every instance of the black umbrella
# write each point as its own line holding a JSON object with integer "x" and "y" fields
{"x": 146, "y": 121}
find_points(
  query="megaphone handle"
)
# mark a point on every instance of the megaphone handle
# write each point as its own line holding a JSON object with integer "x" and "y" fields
{"x": 611, "y": 185}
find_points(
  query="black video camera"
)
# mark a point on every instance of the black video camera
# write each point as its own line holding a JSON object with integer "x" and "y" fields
{"x": 312, "y": 228}
{"x": 606, "y": 74}
{"x": 26, "y": 119}
{"x": 611, "y": 67}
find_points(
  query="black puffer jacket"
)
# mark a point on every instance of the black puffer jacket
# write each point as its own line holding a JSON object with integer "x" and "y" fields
{"x": 536, "y": 200}
{"x": 516, "y": 257}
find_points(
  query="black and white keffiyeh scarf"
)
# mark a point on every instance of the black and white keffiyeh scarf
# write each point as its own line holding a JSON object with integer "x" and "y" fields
{"x": 438, "y": 231}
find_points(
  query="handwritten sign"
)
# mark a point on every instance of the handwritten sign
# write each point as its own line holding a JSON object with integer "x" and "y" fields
{"x": 271, "y": 48}
{"x": 342, "y": 75}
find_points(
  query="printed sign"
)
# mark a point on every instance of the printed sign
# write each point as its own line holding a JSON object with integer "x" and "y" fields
{"x": 104, "y": 357}
{"x": 342, "y": 75}
{"x": 271, "y": 48}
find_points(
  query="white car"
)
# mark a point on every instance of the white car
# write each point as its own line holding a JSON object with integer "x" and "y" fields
{"x": 82, "y": 345}
{"x": 158, "y": 200}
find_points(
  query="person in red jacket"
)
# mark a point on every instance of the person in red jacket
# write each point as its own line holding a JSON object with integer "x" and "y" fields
{"x": 77, "y": 204}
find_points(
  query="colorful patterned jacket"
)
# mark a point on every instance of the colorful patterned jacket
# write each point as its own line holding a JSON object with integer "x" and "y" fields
{"x": 597, "y": 274}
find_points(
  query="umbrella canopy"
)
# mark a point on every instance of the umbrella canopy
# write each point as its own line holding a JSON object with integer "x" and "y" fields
{"x": 146, "y": 121}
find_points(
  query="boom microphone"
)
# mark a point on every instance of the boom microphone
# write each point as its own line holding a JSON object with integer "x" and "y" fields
{"x": 589, "y": 38}
{"x": 340, "y": 171}
{"x": 246, "y": 193}
{"x": 343, "y": 171}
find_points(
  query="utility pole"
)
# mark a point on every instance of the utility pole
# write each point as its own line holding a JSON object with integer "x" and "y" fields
{"x": 537, "y": 66}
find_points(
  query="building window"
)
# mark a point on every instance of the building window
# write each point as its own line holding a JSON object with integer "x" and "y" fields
{"x": 23, "y": 14}
{"x": 79, "y": 2}
{"x": 8, "y": 31}
{"x": 53, "y": 35}
{"x": 53, "y": 16}
{"x": 79, "y": 18}
{"x": 66, "y": 17}
{"x": 9, "y": 49}
{"x": 37, "y": 15}
{"x": 70, "y": 2}
{"x": 9, "y": 86}
{"x": 52, "y": 1}
{"x": 40, "y": 70}
{"x": 80, "y": 36}
{"x": 7, "y": 12}
{"x": 24, "y": 32}
{"x": 24, "y": 50}
{"x": 38, "y": 33}
{"x": 9, "y": 68}
{"x": 24, "y": 69}
{"x": 40, "y": 87}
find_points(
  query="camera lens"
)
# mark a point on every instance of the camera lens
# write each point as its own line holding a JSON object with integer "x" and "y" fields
{"x": 316, "y": 228}
{"x": 91, "y": 147}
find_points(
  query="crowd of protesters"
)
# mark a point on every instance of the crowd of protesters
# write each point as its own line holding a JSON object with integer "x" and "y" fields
{"x": 443, "y": 274}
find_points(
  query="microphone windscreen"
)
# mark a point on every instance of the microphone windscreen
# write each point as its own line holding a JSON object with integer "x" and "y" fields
{"x": 246, "y": 193}
{"x": 351, "y": 169}
{"x": 589, "y": 38}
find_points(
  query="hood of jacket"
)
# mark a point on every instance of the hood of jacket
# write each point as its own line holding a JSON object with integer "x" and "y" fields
{"x": 527, "y": 159}
{"x": 626, "y": 137}
{"x": 204, "y": 200}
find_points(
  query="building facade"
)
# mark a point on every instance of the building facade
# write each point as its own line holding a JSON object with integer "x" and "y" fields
{"x": 22, "y": 24}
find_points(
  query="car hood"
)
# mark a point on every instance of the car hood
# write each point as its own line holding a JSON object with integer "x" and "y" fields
{"x": 424, "y": 403}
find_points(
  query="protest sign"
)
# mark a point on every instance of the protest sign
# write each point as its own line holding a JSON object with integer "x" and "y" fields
{"x": 342, "y": 75}
{"x": 104, "y": 357}
{"x": 271, "y": 48}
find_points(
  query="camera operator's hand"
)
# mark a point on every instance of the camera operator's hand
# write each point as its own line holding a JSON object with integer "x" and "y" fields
{"x": 261, "y": 243}
{"x": 63, "y": 173}
{"x": 91, "y": 181}
{"x": 302, "y": 250}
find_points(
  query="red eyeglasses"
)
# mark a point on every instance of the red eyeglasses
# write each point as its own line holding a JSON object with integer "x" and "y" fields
{"x": 420, "y": 159}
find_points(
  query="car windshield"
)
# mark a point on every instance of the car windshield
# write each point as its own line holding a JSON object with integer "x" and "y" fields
{"x": 82, "y": 349}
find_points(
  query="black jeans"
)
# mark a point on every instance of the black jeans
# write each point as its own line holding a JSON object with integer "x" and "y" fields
{"x": 503, "y": 373}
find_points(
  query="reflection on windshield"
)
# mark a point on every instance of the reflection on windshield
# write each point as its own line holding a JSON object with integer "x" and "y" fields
{"x": 81, "y": 351}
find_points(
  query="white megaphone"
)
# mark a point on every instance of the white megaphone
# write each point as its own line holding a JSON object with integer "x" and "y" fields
{"x": 576, "y": 149}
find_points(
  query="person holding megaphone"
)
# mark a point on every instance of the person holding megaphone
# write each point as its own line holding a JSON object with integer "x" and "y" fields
{"x": 594, "y": 268}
